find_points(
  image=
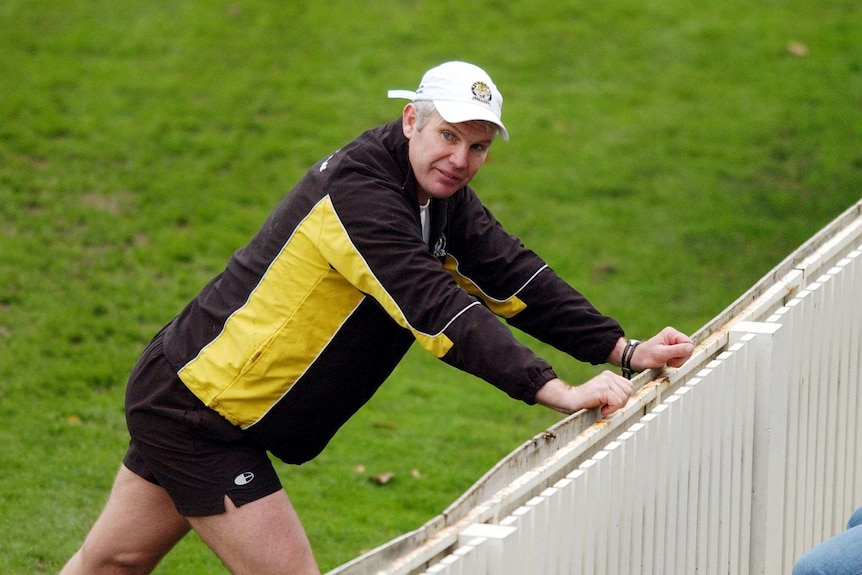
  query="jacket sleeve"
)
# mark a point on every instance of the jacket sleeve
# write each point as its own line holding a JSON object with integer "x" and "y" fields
{"x": 517, "y": 285}
{"x": 373, "y": 239}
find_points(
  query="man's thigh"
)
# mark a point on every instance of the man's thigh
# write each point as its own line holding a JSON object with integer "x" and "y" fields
{"x": 261, "y": 537}
{"x": 137, "y": 527}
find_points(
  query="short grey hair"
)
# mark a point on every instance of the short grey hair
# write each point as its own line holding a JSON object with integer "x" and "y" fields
{"x": 425, "y": 110}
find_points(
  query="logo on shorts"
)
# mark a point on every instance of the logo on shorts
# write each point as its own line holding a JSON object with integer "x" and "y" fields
{"x": 244, "y": 478}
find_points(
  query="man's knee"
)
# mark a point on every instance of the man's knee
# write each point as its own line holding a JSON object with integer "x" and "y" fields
{"x": 99, "y": 562}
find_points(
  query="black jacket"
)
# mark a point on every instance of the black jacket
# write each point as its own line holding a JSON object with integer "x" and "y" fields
{"x": 308, "y": 320}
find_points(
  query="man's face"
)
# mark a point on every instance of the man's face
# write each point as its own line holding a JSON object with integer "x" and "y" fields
{"x": 445, "y": 156}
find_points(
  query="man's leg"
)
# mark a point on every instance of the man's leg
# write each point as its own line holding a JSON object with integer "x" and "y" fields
{"x": 261, "y": 538}
{"x": 138, "y": 526}
{"x": 838, "y": 555}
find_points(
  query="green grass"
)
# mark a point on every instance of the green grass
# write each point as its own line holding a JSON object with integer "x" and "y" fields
{"x": 664, "y": 156}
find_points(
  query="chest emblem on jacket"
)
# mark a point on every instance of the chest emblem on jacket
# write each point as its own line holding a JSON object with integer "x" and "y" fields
{"x": 440, "y": 247}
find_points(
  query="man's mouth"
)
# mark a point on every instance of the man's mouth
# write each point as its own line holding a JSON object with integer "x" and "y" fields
{"x": 452, "y": 178}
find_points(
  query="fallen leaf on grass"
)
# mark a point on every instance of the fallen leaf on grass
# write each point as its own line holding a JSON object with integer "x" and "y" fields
{"x": 797, "y": 49}
{"x": 387, "y": 425}
{"x": 383, "y": 478}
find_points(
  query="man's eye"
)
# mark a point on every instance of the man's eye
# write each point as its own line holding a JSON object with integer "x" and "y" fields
{"x": 448, "y": 135}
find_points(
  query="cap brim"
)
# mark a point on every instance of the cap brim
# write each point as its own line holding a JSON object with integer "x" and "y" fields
{"x": 457, "y": 112}
{"x": 402, "y": 94}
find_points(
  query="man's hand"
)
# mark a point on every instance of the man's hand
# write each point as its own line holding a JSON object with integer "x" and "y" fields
{"x": 606, "y": 390}
{"x": 668, "y": 348}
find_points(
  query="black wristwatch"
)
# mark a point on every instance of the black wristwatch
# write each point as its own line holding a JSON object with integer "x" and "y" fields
{"x": 626, "y": 359}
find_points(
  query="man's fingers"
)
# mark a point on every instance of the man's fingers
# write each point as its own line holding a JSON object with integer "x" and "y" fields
{"x": 614, "y": 406}
{"x": 672, "y": 336}
{"x": 678, "y": 354}
{"x": 655, "y": 354}
{"x": 617, "y": 393}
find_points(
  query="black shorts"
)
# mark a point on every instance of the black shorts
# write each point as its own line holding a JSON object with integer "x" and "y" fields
{"x": 188, "y": 449}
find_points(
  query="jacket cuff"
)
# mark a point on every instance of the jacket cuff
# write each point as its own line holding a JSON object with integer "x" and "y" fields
{"x": 533, "y": 387}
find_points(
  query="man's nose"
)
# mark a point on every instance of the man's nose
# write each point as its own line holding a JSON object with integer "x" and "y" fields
{"x": 459, "y": 157}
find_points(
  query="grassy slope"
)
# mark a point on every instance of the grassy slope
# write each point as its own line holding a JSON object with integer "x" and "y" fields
{"x": 664, "y": 156}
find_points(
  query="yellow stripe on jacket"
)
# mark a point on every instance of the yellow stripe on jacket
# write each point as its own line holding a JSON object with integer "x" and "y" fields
{"x": 309, "y": 290}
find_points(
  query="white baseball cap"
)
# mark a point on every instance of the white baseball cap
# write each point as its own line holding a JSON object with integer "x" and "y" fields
{"x": 461, "y": 92}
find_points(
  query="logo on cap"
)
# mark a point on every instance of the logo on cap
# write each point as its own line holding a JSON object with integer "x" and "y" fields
{"x": 481, "y": 92}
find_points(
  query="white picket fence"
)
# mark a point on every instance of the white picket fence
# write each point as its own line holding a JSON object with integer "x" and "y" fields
{"x": 733, "y": 464}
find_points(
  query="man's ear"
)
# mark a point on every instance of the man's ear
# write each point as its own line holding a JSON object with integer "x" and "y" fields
{"x": 408, "y": 120}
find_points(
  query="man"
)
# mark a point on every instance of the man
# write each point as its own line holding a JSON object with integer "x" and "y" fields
{"x": 381, "y": 244}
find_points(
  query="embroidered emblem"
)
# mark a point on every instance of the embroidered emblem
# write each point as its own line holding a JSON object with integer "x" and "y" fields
{"x": 481, "y": 92}
{"x": 440, "y": 247}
